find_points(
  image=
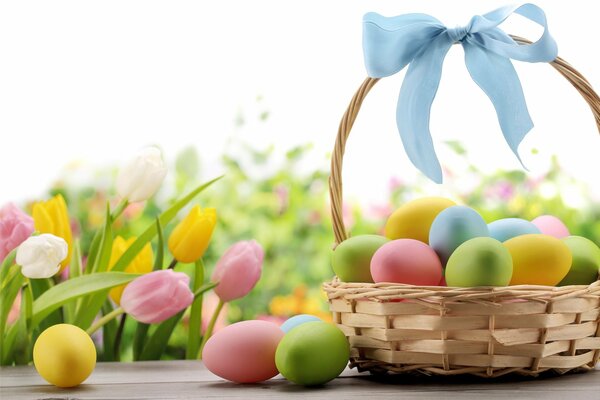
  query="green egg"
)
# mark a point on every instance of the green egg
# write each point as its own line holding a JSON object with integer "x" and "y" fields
{"x": 586, "y": 261}
{"x": 312, "y": 353}
{"x": 481, "y": 261}
{"x": 351, "y": 259}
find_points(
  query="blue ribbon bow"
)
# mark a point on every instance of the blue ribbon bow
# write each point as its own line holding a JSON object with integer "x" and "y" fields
{"x": 422, "y": 41}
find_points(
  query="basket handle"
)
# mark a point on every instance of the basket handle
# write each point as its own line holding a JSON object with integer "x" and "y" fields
{"x": 335, "y": 179}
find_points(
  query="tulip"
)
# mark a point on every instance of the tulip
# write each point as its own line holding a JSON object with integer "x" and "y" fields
{"x": 142, "y": 176}
{"x": 238, "y": 270}
{"x": 190, "y": 238}
{"x": 141, "y": 264}
{"x": 157, "y": 296}
{"x": 40, "y": 256}
{"x": 52, "y": 217}
{"x": 15, "y": 227}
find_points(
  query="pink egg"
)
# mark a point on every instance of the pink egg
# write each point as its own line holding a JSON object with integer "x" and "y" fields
{"x": 243, "y": 352}
{"x": 550, "y": 225}
{"x": 406, "y": 261}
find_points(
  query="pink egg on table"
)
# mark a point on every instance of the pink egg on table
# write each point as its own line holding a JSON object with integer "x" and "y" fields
{"x": 407, "y": 261}
{"x": 550, "y": 225}
{"x": 243, "y": 352}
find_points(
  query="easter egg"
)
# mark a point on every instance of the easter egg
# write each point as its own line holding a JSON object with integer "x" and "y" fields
{"x": 64, "y": 355}
{"x": 243, "y": 352}
{"x": 351, "y": 259}
{"x": 586, "y": 261}
{"x": 406, "y": 261}
{"x": 312, "y": 354}
{"x": 481, "y": 261}
{"x": 454, "y": 226}
{"x": 538, "y": 259}
{"x": 297, "y": 320}
{"x": 550, "y": 225}
{"x": 508, "y": 228}
{"x": 413, "y": 219}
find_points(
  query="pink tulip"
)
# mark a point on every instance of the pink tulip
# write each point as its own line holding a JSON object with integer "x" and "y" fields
{"x": 157, "y": 296}
{"x": 238, "y": 270}
{"x": 15, "y": 227}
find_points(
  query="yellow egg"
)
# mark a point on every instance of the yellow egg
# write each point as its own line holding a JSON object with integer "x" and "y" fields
{"x": 64, "y": 355}
{"x": 538, "y": 259}
{"x": 413, "y": 219}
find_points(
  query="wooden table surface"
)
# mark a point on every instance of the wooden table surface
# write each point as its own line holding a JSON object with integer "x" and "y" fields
{"x": 190, "y": 380}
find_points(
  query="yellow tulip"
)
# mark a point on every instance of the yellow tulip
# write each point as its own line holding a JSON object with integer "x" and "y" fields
{"x": 141, "y": 264}
{"x": 190, "y": 238}
{"x": 52, "y": 217}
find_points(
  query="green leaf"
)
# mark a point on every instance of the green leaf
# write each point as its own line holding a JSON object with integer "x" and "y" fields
{"x": 76, "y": 262}
{"x": 105, "y": 247}
{"x": 160, "y": 248}
{"x": 39, "y": 287}
{"x": 151, "y": 231}
{"x": 139, "y": 339}
{"x": 91, "y": 307}
{"x": 8, "y": 346}
{"x": 109, "y": 331}
{"x": 157, "y": 343}
{"x": 75, "y": 288}
{"x": 6, "y": 264}
{"x": 193, "y": 344}
{"x": 7, "y": 298}
{"x": 21, "y": 348}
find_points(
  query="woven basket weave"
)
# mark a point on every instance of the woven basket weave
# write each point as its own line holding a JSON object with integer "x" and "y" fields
{"x": 397, "y": 328}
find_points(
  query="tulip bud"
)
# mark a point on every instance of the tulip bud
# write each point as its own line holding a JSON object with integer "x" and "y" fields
{"x": 238, "y": 270}
{"x": 141, "y": 177}
{"x": 157, "y": 296}
{"x": 52, "y": 217}
{"x": 15, "y": 227}
{"x": 190, "y": 238}
{"x": 40, "y": 256}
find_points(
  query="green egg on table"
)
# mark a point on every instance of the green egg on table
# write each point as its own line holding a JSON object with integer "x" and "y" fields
{"x": 351, "y": 259}
{"x": 586, "y": 261}
{"x": 482, "y": 261}
{"x": 312, "y": 353}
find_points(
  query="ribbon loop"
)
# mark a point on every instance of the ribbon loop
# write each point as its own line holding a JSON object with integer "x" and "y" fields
{"x": 422, "y": 42}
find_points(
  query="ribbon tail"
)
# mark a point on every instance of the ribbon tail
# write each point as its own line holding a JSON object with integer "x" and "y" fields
{"x": 414, "y": 104}
{"x": 497, "y": 77}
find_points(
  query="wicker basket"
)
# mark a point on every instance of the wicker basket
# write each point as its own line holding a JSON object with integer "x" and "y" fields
{"x": 396, "y": 328}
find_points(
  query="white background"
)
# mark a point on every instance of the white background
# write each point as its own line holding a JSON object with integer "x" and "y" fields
{"x": 95, "y": 80}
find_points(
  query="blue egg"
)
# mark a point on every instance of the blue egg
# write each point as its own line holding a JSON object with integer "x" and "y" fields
{"x": 508, "y": 228}
{"x": 454, "y": 226}
{"x": 296, "y": 320}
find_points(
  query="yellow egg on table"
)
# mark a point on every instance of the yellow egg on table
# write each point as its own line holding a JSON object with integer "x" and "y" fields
{"x": 64, "y": 355}
{"x": 413, "y": 219}
{"x": 538, "y": 259}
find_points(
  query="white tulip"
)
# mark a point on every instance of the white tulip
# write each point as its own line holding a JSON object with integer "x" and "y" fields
{"x": 40, "y": 256}
{"x": 141, "y": 177}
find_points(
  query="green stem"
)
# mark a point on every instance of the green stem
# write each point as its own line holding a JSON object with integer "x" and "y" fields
{"x": 211, "y": 326}
{"x": 193, "y": 344}
{"x": 118, "y": 337}
{"x": 173, "y": 264}
{"x": 119, "y": 209}
{"x": 100, "y": 322}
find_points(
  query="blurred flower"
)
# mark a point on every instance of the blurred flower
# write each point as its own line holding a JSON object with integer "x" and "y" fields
{"x": 15, "y": 227}
{"x": 157, "y": 296}
{"x": 380, "y": 212}
{"x": 139, "y": 179}
{"x": 238, "y": 270}
{"x": 347, "y": 215}
{"x": 283, "y": 197}
{"x": 141, "y": 264}
{"x": 209, "y": 305}
{"x": 190, "y": 238}
{"x": 298, "y": 303}
{"x": 502, "y": 190}
{"x": 15, "y": 309}
{"x": 40, "y": 256}
{"x": 394, "y": 184}
{"x": 52, "y": 217}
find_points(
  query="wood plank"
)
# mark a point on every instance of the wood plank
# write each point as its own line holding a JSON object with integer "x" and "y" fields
{"x": 190, "y": 379}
